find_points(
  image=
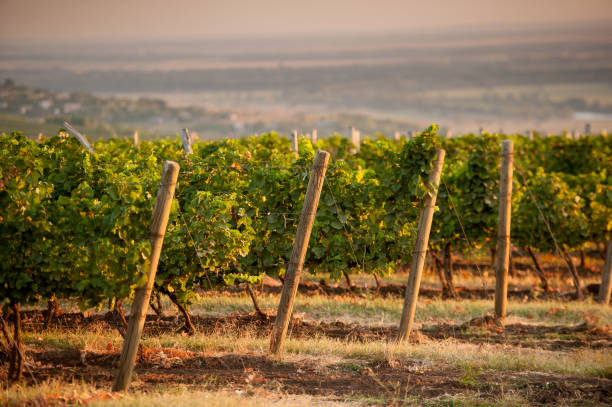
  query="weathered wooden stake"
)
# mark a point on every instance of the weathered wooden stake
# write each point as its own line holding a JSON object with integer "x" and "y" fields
{"x": 355, "y": 138}
{"x": 503, "y": 229}
{"x": 313, "y": 136}
{"x": 186, "y": 141}
{"x": 397, "y": 136}
{"x": 420, "y": 248}
{"x": 606, "y": 278}
{"x": 135, "y": 137}
{"x": 143, "y": 293}
{"x": 79, "y": 137}
{"x": 295, "y": 147}
{"x": 300, "y": 245}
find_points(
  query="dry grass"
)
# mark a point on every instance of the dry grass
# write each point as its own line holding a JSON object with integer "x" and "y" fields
{"x": 326, "y": 352}
{"x": 378, "y": 311}
{"x": 60, "y": 393}
{"x": 500, "y": 357}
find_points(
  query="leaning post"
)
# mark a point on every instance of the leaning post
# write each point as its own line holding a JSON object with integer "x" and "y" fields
{"x": 74, "y": 133}
{"x": 420, "y": 248}
{"x": 300, "y": 245}
{"x": 142, "y": 294}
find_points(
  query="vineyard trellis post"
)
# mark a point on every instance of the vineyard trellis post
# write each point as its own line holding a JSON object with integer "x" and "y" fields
{"x": 295, "y": 147}
{"x": 142, "y": 294}
{"x": 74, "y": 133}
{"x": 503, "y": 229}
{"x": 186, "y": 141}
{"x": 606, "y": 278}
{"x": 300, "y": 245}
{"x": 135, "y": 137}
{"x": 355, "y": 137}
{"x": 313, "y": 136}
{"x": 420, "y": 248}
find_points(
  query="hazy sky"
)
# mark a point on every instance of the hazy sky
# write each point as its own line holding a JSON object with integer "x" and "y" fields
{"x": 115, "y": 20}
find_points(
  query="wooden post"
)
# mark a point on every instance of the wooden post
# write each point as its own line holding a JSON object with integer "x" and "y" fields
{"x": 355, "y": 138}
{"x": 606, "y": 278}
{"x": 300, "y": 245}
{"x": 503, "y": 229}
{"x": 413, "y": 134}
{"x": 79, "y": 137}
{"x": 186, "y": 141}
{"x": 397, "y": 136}
{"x": 420, "y": 248}
{"x": 295, "y": 147}
{"x": 313, "y": 136}
{"x": 143, "y": 293}
{"x": 135, "y": 137}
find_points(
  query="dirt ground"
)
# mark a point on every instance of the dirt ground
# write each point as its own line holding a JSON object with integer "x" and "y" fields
{"x": 389, "y": 380}
{"x": 478, "y": 330}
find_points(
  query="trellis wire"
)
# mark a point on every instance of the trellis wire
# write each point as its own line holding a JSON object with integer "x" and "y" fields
{"x": 195, "y": 247}
{"x": 343, "y": 225}
{"x": 453, "y": 206}
{"x": 535, "y": 201}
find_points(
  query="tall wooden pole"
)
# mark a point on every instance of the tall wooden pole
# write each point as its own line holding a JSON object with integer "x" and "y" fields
{"x": 186, "y": 141}
{"x": 355, "y": 137}
{"x": 606, "y": 278}
{"x": 143, "y": 293}
{"x": 300, "y": 245}
{"x": 420, "y": 248}
{"x": 503, "y": 229}
{"x": 295, "y": 147}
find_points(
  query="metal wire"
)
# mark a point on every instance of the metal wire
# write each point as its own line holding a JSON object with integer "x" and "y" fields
{"x": 535, "y": 201}
{"x": 454, "y": 208}
{"x": 343, "y": 225}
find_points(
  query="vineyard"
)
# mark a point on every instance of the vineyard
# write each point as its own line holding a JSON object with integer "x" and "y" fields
{"x": 246, "y": 217}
